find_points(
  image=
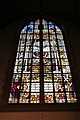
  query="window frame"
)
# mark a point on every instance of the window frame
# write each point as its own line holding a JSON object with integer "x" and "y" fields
{"x": 31, "y": 106}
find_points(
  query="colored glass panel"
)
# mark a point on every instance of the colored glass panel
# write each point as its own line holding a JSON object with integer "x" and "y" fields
{"x": 57, "y": 69}
{"x": 42, "y": 43}
{"x": 25, "y": 86}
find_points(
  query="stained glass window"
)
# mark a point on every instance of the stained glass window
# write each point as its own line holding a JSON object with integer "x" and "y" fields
{"x": 41, "y": 66}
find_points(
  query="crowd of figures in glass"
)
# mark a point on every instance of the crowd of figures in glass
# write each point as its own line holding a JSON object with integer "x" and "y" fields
{"x": 57, "y": 78}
